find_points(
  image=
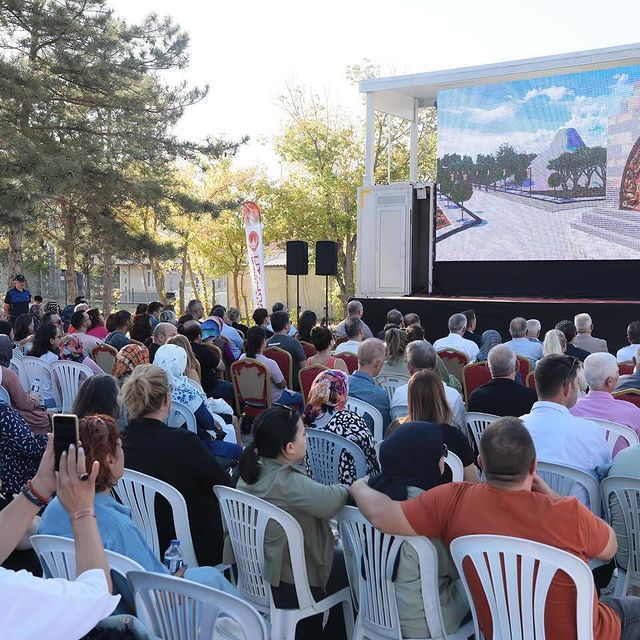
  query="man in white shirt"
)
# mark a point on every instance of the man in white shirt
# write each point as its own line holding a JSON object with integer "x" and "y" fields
{"x": 520, "y": 343}
{"x": 457, "y": 327}
{"x": 422, "y": 356}
{"x": 234, "y": 337}
{"x": 35, "y": 607}
{"x": 633, "y": 336}
{"x": 355, "y": 332}
{"x": 354, "y": 309}
{"x": 81, "y": 322}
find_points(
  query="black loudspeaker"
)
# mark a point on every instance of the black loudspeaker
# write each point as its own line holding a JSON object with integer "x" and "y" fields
{"x": 326, "y": 258}
{"x": 297, "y": 258}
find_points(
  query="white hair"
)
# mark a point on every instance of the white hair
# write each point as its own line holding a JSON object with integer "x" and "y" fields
{"x": 636, "y": 355}
{"x": 518, "y": 328}
{"x": 598, "y": 367}
{"x": 533, "y": 327}
{"x": 502, "y": 361}
{"x": 457, "y": 323}
{"x": 583, "y": 322}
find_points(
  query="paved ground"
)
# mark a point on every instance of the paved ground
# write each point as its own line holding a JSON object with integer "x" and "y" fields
{"x": 513, "y": 230}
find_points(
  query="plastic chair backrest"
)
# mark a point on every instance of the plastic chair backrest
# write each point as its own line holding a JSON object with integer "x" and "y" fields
{"x": 515, "y": 576}
{"x": 613, "y": 431}
{"x": 363, "y": 408}
{"x": 104, "y": 356}
{"x": 454, "y": 361}
{"x": 324, "y": 450}
{"x": 307, "y": 375}
{"x": 177, "y": 609}
{"x": 35, "y": 368}
{"x": 4, "y": 396}
{"x": 477, "y": 423}
{"x": 138, "y": 491}
{"x": 65, "y": 378}
{"x": 630, "y": 395}
{"x": 563, "y": 480}
{"x": 474, "y": 375}
{"x": 252, "y": 385}
{"x": 284, "y": 361}
{"x": 455, "y": 464}
{"x": 350, "y": 359}
{"x": 391, "y": 382}
{"x": 180, "y": 414}
{"x": 17, "y": 366}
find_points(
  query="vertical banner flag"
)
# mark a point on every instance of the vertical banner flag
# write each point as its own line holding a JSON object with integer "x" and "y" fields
{"x": 253, "y": 229}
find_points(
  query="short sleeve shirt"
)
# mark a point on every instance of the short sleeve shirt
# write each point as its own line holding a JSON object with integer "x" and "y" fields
{"x": 18, "y": 301}
{"x": 458, "y": 509}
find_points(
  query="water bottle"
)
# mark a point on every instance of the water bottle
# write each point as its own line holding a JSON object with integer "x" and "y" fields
{"x": 173, "y": 557}
{"x": 35, "y": 387}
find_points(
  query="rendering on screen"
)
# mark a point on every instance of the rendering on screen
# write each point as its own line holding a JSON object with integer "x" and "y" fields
{"x": 541, "y": 169}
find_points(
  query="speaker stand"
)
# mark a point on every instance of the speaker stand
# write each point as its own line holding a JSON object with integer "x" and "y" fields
{"x": 297, "y": 300}
{"x": 326, "y": 301}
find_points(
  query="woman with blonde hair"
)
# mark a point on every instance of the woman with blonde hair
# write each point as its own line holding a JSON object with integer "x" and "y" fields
{"x": 555, "y": 342}
{"x": 395, "y": 363}
{"x": 193, "y": 366}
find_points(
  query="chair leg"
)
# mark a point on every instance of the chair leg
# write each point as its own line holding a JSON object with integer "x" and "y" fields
{"x": 622, "y": 583}
{"x": 347, "y": 610}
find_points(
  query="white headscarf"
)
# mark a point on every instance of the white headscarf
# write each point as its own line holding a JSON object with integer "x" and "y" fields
{"x": 173, "y": 360}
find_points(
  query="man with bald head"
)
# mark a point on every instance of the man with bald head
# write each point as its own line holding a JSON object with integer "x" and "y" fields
{"x": 354, "y": 310}
{"x": 502, "y": 396}
{"x": 161, "y": 333}
{"x": 519, "y": 342}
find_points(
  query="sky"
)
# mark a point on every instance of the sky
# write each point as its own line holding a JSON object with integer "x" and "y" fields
{"x": 249, "y": 51}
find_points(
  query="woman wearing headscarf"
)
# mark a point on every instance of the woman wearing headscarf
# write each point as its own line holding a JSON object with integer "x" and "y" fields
{"x": 29, "y": 406}
{"x": 211, "y": 332}
{"x": 412, "y": 460}
{"x": 127, "y": 359}
{"x": 326, "y": 409}
{"x": 72, "y": 349}
{"x": 490, "y": 338}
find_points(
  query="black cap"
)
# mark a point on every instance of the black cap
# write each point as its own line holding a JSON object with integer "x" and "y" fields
{"x": 20, "y": 278}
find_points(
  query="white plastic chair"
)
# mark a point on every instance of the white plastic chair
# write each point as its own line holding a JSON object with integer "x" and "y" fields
{"x": 515, "y": 575}
{"x": 627, "y": 491}
{"x": 323, "y": 455}
{"x": 179, "y": 414}
{"x": 138, "y": 491}
{"x": 391, "y": 382}
{"x": 18, "y": 367}
{"x": 476, "y": 424}
{"x": 246, "y": 518}
{"x": 455, "y": 464}
{"x": 613, "y": 431}
{"x": 4, "y": 396}
{"x": 176, "y": 609}
{"x": 35, "y": 368}
{"x": 65, "y": 379}
{"x": 563, "y": 480}
{"x": 373, "y": 556}
{"x": 363, "y": 408}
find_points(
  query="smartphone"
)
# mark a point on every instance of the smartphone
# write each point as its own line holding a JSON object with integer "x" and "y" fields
{"x": 65, "y": 433}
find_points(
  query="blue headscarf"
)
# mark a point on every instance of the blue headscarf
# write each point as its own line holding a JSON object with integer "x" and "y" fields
{"x": 490, "y": 338}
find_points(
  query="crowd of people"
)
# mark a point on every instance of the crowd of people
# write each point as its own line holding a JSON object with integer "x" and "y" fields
{"x": 161, "y": 358}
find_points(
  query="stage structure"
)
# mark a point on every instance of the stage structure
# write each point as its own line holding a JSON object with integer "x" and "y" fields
{"x": 538, "y": 185}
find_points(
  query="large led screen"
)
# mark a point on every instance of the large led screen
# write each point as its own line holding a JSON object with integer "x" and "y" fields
{"x": 541, "y": 169}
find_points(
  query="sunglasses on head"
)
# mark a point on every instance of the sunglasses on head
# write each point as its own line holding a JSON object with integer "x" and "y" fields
{"x": 289, "y": 411}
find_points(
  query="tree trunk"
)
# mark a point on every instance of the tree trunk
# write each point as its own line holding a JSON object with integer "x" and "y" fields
{"x": 183, "y": 278}
{"x": 205, "y": 293}
{"x": 159, "y": 279}
{"x": 107, "y": 280}
{"x": 243, "y": 292}
{"x": 194, "y": 287}
{"x": 14, "y": 261}
{"x": 69, "y": 248}
{"x": 213, "y": 291}
{"x": 143, "y": 271}
{"x": 235, "y": 289}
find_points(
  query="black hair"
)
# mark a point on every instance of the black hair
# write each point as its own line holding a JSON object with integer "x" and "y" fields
{"x": 470, "y": 315}
{"x": 259, "y": 315}
{"x": 37, "y": 299}
{"x": 415, "y": 332}
{"x": 395, "y": 317}
{"x": 353, "y": 326}
{"x": 255, "y": 337}
{"x": 78, "y": 300}
{"x": 191, "y": 330}
{"x": 277, "y": 306}
{"x": 306, "y": 322}
{"x": 142, "y": 307}
{"x": 141, "y": 329}
{"x": 42, "y": 340}
{"x": 218, "y": 310}
{"x": 46, "y": 318}
{"x": 633, "y": 332}
{"x": 273, "y": 430}
{"x": 321, "y": 337}
{"x": 97, "y": 394}
{"x": 121, "y": 318}
{"x": 5, "y": 328}
{"x": 279, "y": 320}
{"x": 154, "y": 306}
{"x": 77, "y": 319}
{"x": 94, "y": 315}
{"x": 21, "y": 326}
{"x": 110, "y": 322}
{"x": 554, "y": 371}
{"x": 568, "y": 328}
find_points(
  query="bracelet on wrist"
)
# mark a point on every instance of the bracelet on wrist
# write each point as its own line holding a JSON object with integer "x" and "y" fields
{"x": 31, "y": 497}
{"x": 36, "y": 493}
{"x": 83, "y": 513}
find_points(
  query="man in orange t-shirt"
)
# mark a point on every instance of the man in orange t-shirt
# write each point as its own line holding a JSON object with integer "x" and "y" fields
{"x": 513, "y": 502}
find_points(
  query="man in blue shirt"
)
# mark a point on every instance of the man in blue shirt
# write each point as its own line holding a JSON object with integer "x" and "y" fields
{"x": 16, "y": 300}
{"x": 520, "y": 343}
{"x": 362, "y": 384}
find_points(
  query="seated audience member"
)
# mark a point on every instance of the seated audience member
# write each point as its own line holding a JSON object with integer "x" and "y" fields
{"x": 519, "y": 342}
{"x": 20, "y": 451}
{"x": 52, "y": 317}
{"x": 457, "y": 327}
{"x": 558, "y": 436}
{"x": 46, "y": 346}
{"x": 633, "y": 336}
{"x": 631, "y": 380}
{"x": 512, "y": 502}
{"x": 176, "y": 456}
{"x": 36, "y": 311}
{"x": 554, "y": 343}
{"x": 168, "y": 315}
{"x": 98, "y": 394}
{"x": 412, "y": 460}
{"x": 395, "y": 363}
{"x": 490, "y": 338}
{"x": 66, "y": 608}
{"x": 395, "y": 320}
{"x": 355, "y": 333}
{"x": 234, "y": 317}
{"x": 271, "y": 470}
{"x": 584, "y": 339}
{"x": 72, "y": 349}
{"x": 306, "y": 322}
{"x": 195, "y": 309}
{"x": 327, "y": 410}
{"x": 127, "y": 359}
{"x": 101, "y": 442}
{"x": 110, "y": 323}
{"x": 28, "y": 405}
{"x": 23, "y": 332}
{"x": 142, "y": 308}
{"x": 193, "y": 366}
{"x": 411, "y": 319}
{"x": 569, "y": 329}
{"x": 68, "y": 310}
{"x": 502, "y": 396}
{"x": 255, "y": 345}
{"x": 469, "y": 334}
{"x": 98, "y": 329}
{"x": 118, "y": 336}
{"x": 422, "y": 356}
{"x": 228, "y": 332}
{"x": 533, "y": 330}
{"x": 154, "y": 310}
{"x": 414, "y": 332}
{"x": 81, "y": 323}
{"x": 281, "y": 338}
{"x": 280, "y": 306}
{"x": 362, "y": 384}
{"x": 6, "y": 329}
{"x": 141, "y": 329}
{"x": 427, "y": 403}
{"x": 262, "y": 319}
{"x": 161, "y": 333}
{"x": 322, "y": 340}
{"x": 212, "y": 334}
{"x": 601, "y": 372}
{"x": 354, "y": 310}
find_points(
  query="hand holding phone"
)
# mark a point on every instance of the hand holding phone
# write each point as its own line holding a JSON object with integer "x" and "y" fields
{"x": 65, "y": 433}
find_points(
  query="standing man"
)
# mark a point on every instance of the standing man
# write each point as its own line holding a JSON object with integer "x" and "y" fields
{"x": 16, "y": 300}
{"x": 154, "y": 310}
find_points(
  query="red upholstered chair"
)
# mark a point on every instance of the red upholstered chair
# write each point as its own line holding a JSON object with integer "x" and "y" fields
{"x": 284, "y": 361}
{"x": 474, "y": 375}
{"x": 252, "y": 386}
{"x": 530, "y": 381}
{"x": 104, "y": 356}
{"x": 524, "y": 366}
{"x": 306, "y": 376}
{"x": 630, "y": 395}
{"x": 350, "y": 359}
{"x": 341, "y": 339}
{"x": 625, "y": 368}
{"x": 454, "y": 360}
{"x": 308, "y": 348}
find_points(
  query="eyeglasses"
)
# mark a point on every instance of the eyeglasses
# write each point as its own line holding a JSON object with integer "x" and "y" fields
{"x": 445, "y": 450}
{"x": 290, "y": 411}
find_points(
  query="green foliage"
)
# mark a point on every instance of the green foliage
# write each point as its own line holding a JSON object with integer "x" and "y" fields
{"x": 554, "y": 180}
